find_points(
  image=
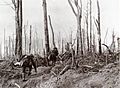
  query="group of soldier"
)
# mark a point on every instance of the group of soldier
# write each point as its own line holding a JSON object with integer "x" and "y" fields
{"x": 29, "y": 62}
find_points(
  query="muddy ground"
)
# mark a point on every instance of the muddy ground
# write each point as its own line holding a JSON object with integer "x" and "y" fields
{"x": 107, "y": 77}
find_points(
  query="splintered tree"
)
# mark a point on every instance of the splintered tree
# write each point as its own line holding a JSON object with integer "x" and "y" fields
{"x": 46, "y": 27}
{"x": 18, "y": 20}
{"x": 47, "y": 48}
{"x": 97, "y": 23}
{"x": 113, "y": 43}
{"x": 78, "y": 14}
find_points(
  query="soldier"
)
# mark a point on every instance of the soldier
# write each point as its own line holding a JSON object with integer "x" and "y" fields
{"x": 53, "y": 56}
{"x": 28, "y": 61}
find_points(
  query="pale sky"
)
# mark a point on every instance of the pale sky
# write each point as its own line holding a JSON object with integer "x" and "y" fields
{"x": 63, "y": 19}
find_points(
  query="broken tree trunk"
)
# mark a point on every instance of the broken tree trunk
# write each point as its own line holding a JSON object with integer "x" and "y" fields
{"x": 110, "y": 52}
{"x": 47, "y": 48}
{"x": 64, "y": 69}
{"x": 46, "y": 27}
{"x": 112, "y": 47}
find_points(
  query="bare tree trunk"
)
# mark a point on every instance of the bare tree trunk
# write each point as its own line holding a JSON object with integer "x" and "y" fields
{"x": 20, "y": 31}
{"x": 88, "y": 47}
{"x": 113, "y": 43}
{"x": 59, "y": 40}
{"x": 10, "y": 47}
{"x": 0, "y": 51}
{"x": 99, "y": 30}
{"x": 78, "y": 15}
{"x": 25, "y": 37}
{"x": 13, "y": 45}
{"x": 46, "y": 27}
{"x": 53, "y": 38}
{"x": 84, "y": 39}
{"x": 62, "y": 46}
{"x": 18, "y": 19}
{"x": 16, "y": 4}
{"x": 77, "y": 52}
{"x": 97, "y": 23}
{"x": 94, "y": 43}
{"x": 118, "y": 40}
{"x": 71, "y": 37}
{"x": 47, "y": 47}
{"x": 30, "y": 40}
{"x": 90, "y": 26}
{"x": 4, "y": 44}
{"x": 6, "y": 51}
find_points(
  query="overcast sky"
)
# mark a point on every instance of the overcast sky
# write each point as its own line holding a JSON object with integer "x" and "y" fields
{"x": 62, "y": 16}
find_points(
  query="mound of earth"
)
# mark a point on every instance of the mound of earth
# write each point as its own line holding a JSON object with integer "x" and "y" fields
{"x": 107, "y": 77}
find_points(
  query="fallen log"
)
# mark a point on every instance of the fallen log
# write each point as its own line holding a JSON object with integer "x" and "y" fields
{"x": 64, "y": 69}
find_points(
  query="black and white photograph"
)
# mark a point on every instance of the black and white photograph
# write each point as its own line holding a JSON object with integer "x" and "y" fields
{"x": 59, "y": 43}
